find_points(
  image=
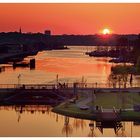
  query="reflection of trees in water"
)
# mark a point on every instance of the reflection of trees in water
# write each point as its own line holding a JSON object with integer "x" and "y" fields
{"x": 32, "y": 109}
{"x": 67, "y": 128}
{"x": 92, "y": 130}
{"x": 19, "y": 114}
{"x": 79, "y": 123}
{"x": 121, "y": 132}
{"x": 58, "y": 117}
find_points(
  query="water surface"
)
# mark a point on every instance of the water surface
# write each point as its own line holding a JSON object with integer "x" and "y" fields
{"x": 40, "y": 121}
{"x": 70, "y": 65}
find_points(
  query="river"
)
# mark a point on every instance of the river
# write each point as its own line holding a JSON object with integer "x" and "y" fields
{"x": 40, "y": 121}
{"x": 70, "y": 66}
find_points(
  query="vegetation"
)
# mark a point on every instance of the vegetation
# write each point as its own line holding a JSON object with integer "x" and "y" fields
{"x": 136, "y": 49}
{"x": 130, "y": 115}
{"x": 120, "y": 75}
{"x": 73, "y": 111}
{"x": 107, "y": 101}
{"x": 138, "y": 65}
{"x": 123, "y": 69}
{"x": 118, "y": 100}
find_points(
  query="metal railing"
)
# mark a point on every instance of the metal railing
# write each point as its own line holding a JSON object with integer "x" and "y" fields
{"x": 67, "y": 85}
{"x": 103, "y": 85}
{"x": 27, "y": 86}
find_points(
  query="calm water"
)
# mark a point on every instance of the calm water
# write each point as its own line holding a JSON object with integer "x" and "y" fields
{"x": 70, "y": 65}
{"x": 40, "y": 121}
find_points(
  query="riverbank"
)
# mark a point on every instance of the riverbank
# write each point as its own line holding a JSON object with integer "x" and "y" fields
{"x": 114, "y": 55}
{"x": 122, "y": 103}
{"x": 17, "y": 52}
{"x": 15, "y": 57}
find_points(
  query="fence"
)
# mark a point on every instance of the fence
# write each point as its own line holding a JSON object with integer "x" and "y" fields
{"x": 102, "y": 85}
{"x": 66, "y": 85}
{"x": 27, "y": 86}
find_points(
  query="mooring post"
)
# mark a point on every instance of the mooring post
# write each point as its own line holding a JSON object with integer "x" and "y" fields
{"x": 32, "y": 64}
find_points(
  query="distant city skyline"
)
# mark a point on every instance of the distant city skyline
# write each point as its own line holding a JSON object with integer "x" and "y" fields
{"x": 71, "y": 18}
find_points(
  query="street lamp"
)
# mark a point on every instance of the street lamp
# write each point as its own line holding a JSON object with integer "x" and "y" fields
{"x": 19, "y": 79}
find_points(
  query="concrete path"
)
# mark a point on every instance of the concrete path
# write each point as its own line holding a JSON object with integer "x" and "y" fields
{"x": 85, "y": 101}
{"x": 111, "y": 109}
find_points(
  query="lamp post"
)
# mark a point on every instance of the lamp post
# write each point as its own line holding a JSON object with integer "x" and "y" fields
{"x": 57, "y": 80}
{"x": 19, "y": 79}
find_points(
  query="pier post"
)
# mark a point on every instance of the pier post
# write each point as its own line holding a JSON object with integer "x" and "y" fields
{"x": 32, "y": 64}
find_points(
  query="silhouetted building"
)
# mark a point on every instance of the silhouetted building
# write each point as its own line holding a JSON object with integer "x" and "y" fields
{"x": 20, "y": 30}
{"x": 47, "y": 32}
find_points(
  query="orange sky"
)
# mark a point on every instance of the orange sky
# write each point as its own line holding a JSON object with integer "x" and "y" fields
{"x": 70, "y": 18}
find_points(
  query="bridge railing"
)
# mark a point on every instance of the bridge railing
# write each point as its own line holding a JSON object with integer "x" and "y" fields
{"x": 27, "y": 86}
{"x": 102, "y": 85}
{"x": 37, "y": 86}
{"x": 66, "y": 85}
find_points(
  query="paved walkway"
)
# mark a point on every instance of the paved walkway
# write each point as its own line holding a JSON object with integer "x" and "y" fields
{"x": 85, "y": 101}
{"x": 111, "y": 109}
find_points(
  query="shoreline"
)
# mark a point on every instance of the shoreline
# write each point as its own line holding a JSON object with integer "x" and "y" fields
{"x": 101, "y": 108}
{"x": 91, "y": 116}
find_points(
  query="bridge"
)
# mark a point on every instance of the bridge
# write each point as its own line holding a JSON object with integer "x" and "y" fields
{"x": 72, "y": 87}
{"x": 54, "y": 93}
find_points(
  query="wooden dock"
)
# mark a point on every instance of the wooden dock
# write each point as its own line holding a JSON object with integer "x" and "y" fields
{"x": 108, "y": 118}
{"x": 116, "y": 125}
{"x": 108, "y": 115}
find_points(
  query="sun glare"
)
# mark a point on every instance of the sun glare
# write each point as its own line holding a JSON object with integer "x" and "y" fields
{"x": 106, "y": 31}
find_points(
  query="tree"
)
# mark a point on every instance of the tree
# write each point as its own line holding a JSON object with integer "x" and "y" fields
{"x": 138, "y": 65}
{"x": 136, "y": 49}
{"x": 119, "y": 75}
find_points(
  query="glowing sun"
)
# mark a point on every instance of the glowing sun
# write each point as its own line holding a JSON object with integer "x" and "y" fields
{"x": 106, "y": 31}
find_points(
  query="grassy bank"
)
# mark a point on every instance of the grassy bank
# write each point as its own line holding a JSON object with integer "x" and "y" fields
{"x": 74, "y": 111}
{"x": 130, "y": 115}
{"x": 107, "y": 101}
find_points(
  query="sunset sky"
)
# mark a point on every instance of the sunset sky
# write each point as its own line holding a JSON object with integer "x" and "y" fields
{"x": 70, "y": 18}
